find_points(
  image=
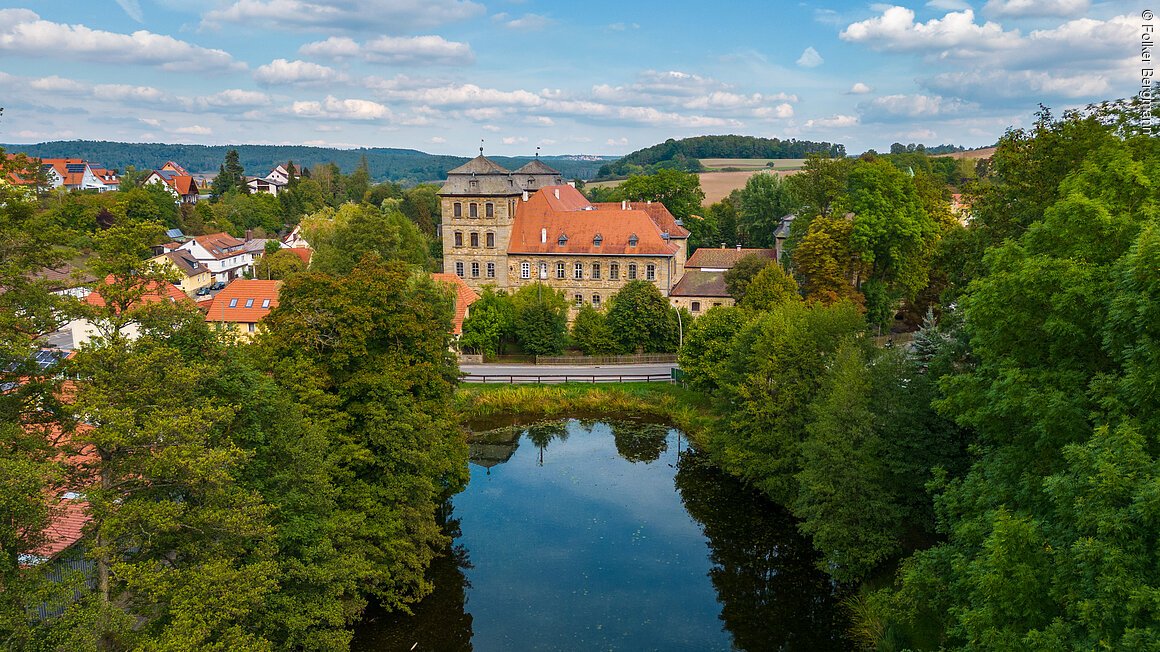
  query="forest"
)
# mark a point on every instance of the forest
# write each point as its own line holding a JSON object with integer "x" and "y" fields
{"x": 404, "y": 166}
{"x": 684, "y": 154}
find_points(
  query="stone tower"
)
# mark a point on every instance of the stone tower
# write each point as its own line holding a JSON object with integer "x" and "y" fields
{"x": 478, "y": 204}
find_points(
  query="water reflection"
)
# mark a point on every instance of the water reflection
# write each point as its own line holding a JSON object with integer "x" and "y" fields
{"x": 772, "y": 596}
{"x": 582, "y": 543}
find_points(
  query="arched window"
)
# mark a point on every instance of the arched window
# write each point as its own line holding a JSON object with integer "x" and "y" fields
{"x": 559, "y": 270}
{"x": 458, "y": 210}
{"x": 473, "y": 210}
{"x": 578, "y": 271}
{"x": 650, "y": 272}
{"x": 579, "y": 298}
{"x": 459, "y": 238}
{"x": 596, "y": 301}
{"x": 490, "y": 239}
{"x": 459, "y": 269}
{"x": 474, "y": 270}
{"x": 596, "y": 270}
{"x": 614, "y": 271}
{"x": 474, "y": 239}
{"x": 491, "y": 270}
{"x": 543, "y": 271}
{"x": 489, "y": 209}
{"x": 632, "y": 271}
{"x": 525, "y": 270}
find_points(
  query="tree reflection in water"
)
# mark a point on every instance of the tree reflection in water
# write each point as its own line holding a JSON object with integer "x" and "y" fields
{"x": 441, "y": 622}
{"x": 772, "y": 596}
{"x": 640, "y": 442}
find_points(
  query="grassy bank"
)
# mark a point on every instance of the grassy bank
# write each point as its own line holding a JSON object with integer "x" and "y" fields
{"x": 683, "y": 408}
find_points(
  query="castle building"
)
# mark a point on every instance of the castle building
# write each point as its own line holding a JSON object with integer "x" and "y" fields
{"x": 509, "y": 229}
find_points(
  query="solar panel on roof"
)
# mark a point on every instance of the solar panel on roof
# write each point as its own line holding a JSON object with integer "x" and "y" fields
{"x": 75, "y": 167}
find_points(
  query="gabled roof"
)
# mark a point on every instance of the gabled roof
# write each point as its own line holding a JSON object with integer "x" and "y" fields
{"x": 185, "y": 262}
{"x": 536, "y": 166}
{"x": 253, "y": 299}
{"x": 153, "y": 293}
{"x": 725, "y": 258}
{"x": 220, "y": 245}
{"x": 656, "y": 211}
{"x": 696, "y": 283}
{"x": 303, "y": 253}
{"x": 65, "y": 528}
{"x": 563, "y": 211}
{"x": 464, "y": 297}
{"x": 170, "y": 165}
{"x": 480, "y": 165}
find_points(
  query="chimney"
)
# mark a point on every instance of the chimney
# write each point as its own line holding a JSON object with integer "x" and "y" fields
{"x": 543, "y": 236}
{"x": 722, "y": 245}
{"x": 648, "y": 202}
{"x": 249, "y": 234}
{"x": 525, "y": 195}
{"x": 624, "y": 204}
{"x": 557, "y": 192}
{"x": 738, "y": 247}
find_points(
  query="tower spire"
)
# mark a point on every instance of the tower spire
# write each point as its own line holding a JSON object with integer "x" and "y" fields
{"x": 481, "y": 147}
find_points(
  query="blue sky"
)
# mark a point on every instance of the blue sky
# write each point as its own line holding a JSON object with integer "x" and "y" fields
{"x": 597, "y": 77}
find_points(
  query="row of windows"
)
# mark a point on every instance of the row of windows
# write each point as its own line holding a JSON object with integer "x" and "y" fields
{"x": 473, "y": 209}
{"x": 578, "y": 299}
{"x": 460, "y": 270}
{"x": 473, "y": 238}
{"x": 250, "y": 303}
{"x": 650, "y": 271}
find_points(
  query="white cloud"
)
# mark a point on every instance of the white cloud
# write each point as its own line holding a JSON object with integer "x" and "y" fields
{"x": 949, "y": 5}
{"x": 810, "y": 58}
{"x": 132, "y": 9}
{"x": 1025, "y": 8}
{"x": 129, "y": 93}
{"x": 194, "y": 130}
{"x": 836, "y": 121}
{"x": 491, "y": 128}
{"x": 235, "y": 97}
{"x": 486, "y": 113}
{"x": 895, "y": 30}
{"x": 394, "y": 16}
{"x": 514, "y": 140}
{"x": 781, "y": 111}
{"x": 335, "y": 109}
{"x": 423, "y": 50}
{"x": 467, "y": 95}
{"x": 1017, "y": 84}
{"x": 55, "y": 84}
{"x": 619, "y": 142}
{"x": 281, "y": 71}
{"x": 621, "y": 27}
{"x": 24, "y": 33}
{"x": 527, "y": 22}
{"x": 920, "y": 134}
{"x": 859, "y": 88}
{"x": 541, "y": 121}
{"x": 911, "y": 106}
{"x": 437, "y": 140}
{"x": 152, "y": 122}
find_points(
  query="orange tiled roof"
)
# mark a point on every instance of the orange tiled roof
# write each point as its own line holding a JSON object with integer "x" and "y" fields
{"x": 303, "y": 253}
{"x": 252, "y": 300}
{"x": 153, "y": 295}
{"x": 219, "y": 245}
{"x": 464, "y": 297}
{"x": 65, "y": 528}
{"x": 563, "y": 211}
{"x": 711, "y": 258}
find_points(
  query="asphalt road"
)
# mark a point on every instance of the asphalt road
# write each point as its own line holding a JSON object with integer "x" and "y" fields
{"x": 605, "y": 373}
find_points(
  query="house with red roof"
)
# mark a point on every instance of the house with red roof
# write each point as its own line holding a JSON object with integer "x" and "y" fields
{"x": 83, "y": 330}
{"x": 77, "y": 174}
{"x": 183, "y": 187}
{"x": 464, "y": 297}
{"x": 510, "y": 228}
{"x": 242, "y": 305}
{"x": 703, "y": 285}
{"x": 225, "y": 256}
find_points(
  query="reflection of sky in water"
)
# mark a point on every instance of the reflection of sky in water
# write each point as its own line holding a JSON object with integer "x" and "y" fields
{"x": 587, "y": 552}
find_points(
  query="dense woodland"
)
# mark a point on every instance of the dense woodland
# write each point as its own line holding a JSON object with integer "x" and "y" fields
{"x": 404, "y": 166}
{"x": 993, "y": 485}
{"x": 685, "y": 154}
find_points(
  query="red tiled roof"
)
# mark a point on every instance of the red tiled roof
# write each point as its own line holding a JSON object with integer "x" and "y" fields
{"x": 65, "y": 528}
{"x": 152, "y": 295}
{"x": 725, "y": 258}
{"x": 464, "y": 297}
{"x": 219, "y": 245}
{"x": 563, "y": 211}
{"x": 170, "y": 165}
{"x": 248, "y": 297}
{"x": 303, "y": 253}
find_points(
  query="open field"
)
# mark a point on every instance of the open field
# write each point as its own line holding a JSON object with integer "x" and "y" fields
{"x": 717, "y": 164}
{"x": 718, "y": 185}
{"x": 985, "y": 152}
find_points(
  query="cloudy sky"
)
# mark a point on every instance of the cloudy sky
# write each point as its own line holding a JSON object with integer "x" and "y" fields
{"x": 597, "y": 77}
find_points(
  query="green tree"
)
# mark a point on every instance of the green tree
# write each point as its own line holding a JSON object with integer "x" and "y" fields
{"x": 826, "y": 261}
{"x": 820, "y": 188}
{"x": 421, "y": 206}
{"x": 231, "y": 176}
{"x": 541, "y": 319}
{"x": 591, "y": 333}
{"x": 492, "y": 319}
{"x": 341, "y": 238}
{"x": 708, "y": 343}
{"x": 771, "y": 287}
{"x": 680, "y": 192}
{"x": 764, "y": 200}
{"x": 641, "y": 319}
{"x": 738, "y": 277}
{"x": 278, "y": 266}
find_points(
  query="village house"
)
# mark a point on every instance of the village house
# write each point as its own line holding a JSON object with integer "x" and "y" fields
{"x": 509, "y": 229}
{"x": 183, "y": 187}
{"x": 84, "y": 330}
{"x": 464, "y": 297}
{"x": 703, "y": 285}
{"x": 242, "y": 305}
{"x": 193, "y": 274}
{"x": 75, "y": 174}
{"x": 226, "y": 256}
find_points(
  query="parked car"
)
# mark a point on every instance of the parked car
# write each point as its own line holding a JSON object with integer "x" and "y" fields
{"x": 217, "y": 286}
{"x": 202, "y": 292}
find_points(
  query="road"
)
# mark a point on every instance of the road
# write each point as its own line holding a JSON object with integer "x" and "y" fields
{"x": 606, "y": 372}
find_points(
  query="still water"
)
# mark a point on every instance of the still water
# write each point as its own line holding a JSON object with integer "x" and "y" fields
{"x": 583, "y": 535}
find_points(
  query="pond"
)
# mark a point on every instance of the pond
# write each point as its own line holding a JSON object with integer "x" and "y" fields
{"x": 599, "y": 535}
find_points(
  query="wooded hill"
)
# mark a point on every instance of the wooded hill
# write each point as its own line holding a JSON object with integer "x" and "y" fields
{"x": 407, "y": 166}
{"x": 684, "y": 154}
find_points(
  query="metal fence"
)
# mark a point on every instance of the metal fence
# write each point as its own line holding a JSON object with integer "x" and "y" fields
{"x": 644, "y": 358}
{"x": 546, "y": 379}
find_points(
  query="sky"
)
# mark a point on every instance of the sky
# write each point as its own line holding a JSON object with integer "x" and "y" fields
{"x": 598, "y": 77}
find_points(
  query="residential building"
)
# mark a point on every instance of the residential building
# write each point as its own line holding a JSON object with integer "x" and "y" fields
{"x": 510, "y": 228}
{"x": 279, "y": 175}
{"x": 224, "y": 255}
{"x": 183, "y": 187}
{"x": 703, "y": 285}
{"x": 260, "y": 184}
{"x": 78, "y": 174}
{"x": 193, "y": 274}
{"x": 464, "y": 297}
{"x": 294, "y": 239}
{"x": 243, "y": 304}
{"x": 84, "y": 330}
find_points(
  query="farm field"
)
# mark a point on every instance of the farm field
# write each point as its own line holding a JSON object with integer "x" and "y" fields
{"x": 985, "y": 152}
{"x": 718, "y": 164}
{"x": 716, "y": 185}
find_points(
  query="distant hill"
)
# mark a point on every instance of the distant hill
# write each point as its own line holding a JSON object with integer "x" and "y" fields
{"x": 406, "y": 166}
{"x": 684, "y": 154}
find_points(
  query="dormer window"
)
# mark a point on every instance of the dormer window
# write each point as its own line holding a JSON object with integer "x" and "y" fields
{"x": 632, "y": 240}
{"x": 563, "y": 240}
{"x": 597, "y": 240}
